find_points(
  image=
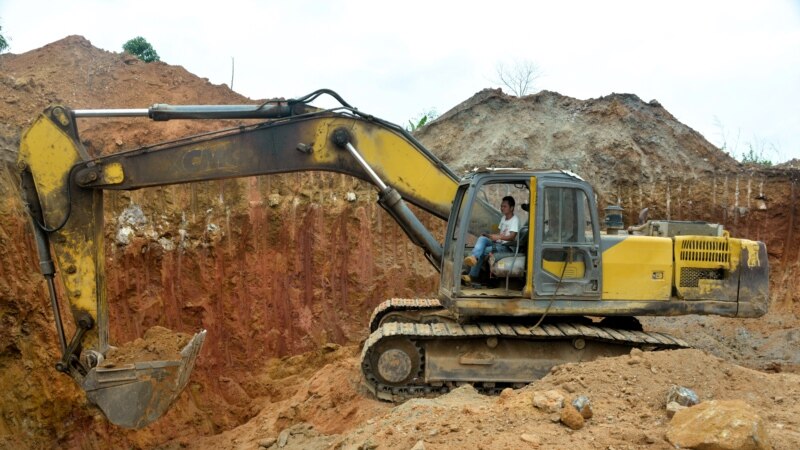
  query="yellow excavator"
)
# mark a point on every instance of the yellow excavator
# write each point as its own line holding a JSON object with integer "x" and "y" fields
{"x": 565, "y": 288}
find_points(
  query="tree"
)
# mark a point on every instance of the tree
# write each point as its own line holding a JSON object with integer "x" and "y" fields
{"x": 758, "y": 150}
{"x": 3, "y": 42}
{"x": 140, "y": 48}
{"x": 519, "y": 78}
{"x": 419, "y": 121}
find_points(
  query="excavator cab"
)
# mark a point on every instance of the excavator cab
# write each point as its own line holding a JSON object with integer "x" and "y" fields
{"x": 479, "y": 210}
{"x": 556, "y": 251}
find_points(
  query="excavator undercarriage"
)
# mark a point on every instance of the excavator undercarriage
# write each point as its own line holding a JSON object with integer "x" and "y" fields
{"x": 416, "y": 349}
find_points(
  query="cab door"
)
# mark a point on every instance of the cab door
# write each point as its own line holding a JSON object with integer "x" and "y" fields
{"x": 567, "y": 247}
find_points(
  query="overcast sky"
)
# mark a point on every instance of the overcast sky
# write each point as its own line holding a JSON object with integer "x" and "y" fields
{"x": 728, "y": 69}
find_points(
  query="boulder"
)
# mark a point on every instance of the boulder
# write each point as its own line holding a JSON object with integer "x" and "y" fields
{"x": 718, "y": 425}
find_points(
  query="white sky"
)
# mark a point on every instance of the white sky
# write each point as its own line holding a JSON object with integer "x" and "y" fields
{"x": 728, "y": 69}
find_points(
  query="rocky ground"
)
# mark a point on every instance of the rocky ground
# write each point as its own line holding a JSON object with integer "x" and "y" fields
{"x": 279, "y": 367}
{"x": 628, "y": 397}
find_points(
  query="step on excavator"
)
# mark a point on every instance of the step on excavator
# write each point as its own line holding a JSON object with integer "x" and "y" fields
{"x": 565, "y": 288}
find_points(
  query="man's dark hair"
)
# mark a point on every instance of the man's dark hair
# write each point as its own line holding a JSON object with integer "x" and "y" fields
{"x": 510, "y": 200}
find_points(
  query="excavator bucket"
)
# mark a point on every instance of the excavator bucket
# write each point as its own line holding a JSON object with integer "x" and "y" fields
{"x": 133, "y": 395}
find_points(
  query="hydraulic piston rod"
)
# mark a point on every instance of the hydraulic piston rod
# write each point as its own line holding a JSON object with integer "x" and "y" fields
{"x": 162, "y": 112}
{"x": 394, "y": 204}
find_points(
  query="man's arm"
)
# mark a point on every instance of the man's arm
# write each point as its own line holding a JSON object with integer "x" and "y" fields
{"x": 508, "y": 237}
{"x": 502, "y": 237}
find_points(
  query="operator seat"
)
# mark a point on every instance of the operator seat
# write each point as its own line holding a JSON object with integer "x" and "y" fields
{"x": 511, "y": 263}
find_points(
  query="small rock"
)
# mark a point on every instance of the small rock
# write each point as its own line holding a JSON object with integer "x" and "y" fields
{"x": 433, "y": 432}
{"x": 650, "y": 439}
{"x": 636, "y": 352}
{"x": 420, "y": 445}
{"x": 274, "y": 200}
{"x": 570, "y": 387}
{"x": 283, "y": 438}
{"x": 124, "y": 235}
{"x": 572, "y": 418}
{"x": 267, "y": 443}
{"x": 549, "y": 401}
{"x": 530, "y": 438}
{"x": 368, "y": 445}
{"x": 673, "y": 407}
{"x": 555, "y": 417}
{"x": 584, "y": 406}
{"x": 330, "y": 347}
{"x": 682, "y": 396}
{"x": 506, "y": 393}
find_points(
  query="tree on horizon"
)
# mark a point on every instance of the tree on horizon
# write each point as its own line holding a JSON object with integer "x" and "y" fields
{"x": 140, "y": 48}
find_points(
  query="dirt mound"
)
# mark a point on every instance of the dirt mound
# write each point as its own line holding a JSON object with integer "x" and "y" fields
{"x": 74, "y": 73}
{"x": 628, "y": 397}
{"x": 603, "y": 139}
{"x": 791, "y": 164}
{"x": 158, "y": 344}
{"x": 210, "y": 256}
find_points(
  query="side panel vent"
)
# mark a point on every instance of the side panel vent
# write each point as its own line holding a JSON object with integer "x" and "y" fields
{"x": 691, "y": 276}
{"x": 704, "y": 253}
{"x": 704, "y": 267}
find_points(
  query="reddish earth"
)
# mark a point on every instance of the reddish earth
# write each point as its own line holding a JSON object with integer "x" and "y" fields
{"x": 157, "y": 344}
{"x": 284, "y": 315}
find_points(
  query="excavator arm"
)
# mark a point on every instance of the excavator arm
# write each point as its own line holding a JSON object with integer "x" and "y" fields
{"x": 63, "y": 188}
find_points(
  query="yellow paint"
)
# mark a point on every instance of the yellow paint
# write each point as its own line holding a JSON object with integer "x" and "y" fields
{"x": 752, "y": 252}
{"x": 706, "y": 252}
{"x": 49, "y": 153}
{"x": 81, "y": 287}
{"x": 528, "y": 290}
{"x": 396, "y": 162}
{"x": 638, "y": 268}
{"x": 113, "y": 173}
{"x": 575, "y": 269}
{"x": 705, "y": 288}
{"x": 736, "y": 247}
{"x": 709, "y": 253}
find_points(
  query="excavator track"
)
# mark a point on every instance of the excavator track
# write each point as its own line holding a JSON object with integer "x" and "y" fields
{"x": 407, "y": 360}
{"x": 405, "y": 308}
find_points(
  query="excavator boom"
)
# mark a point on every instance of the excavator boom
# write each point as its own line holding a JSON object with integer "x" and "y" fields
{"x": 63, "y": 188}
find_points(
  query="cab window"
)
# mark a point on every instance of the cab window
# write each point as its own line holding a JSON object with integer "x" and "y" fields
{"x": 567, "y": 217}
